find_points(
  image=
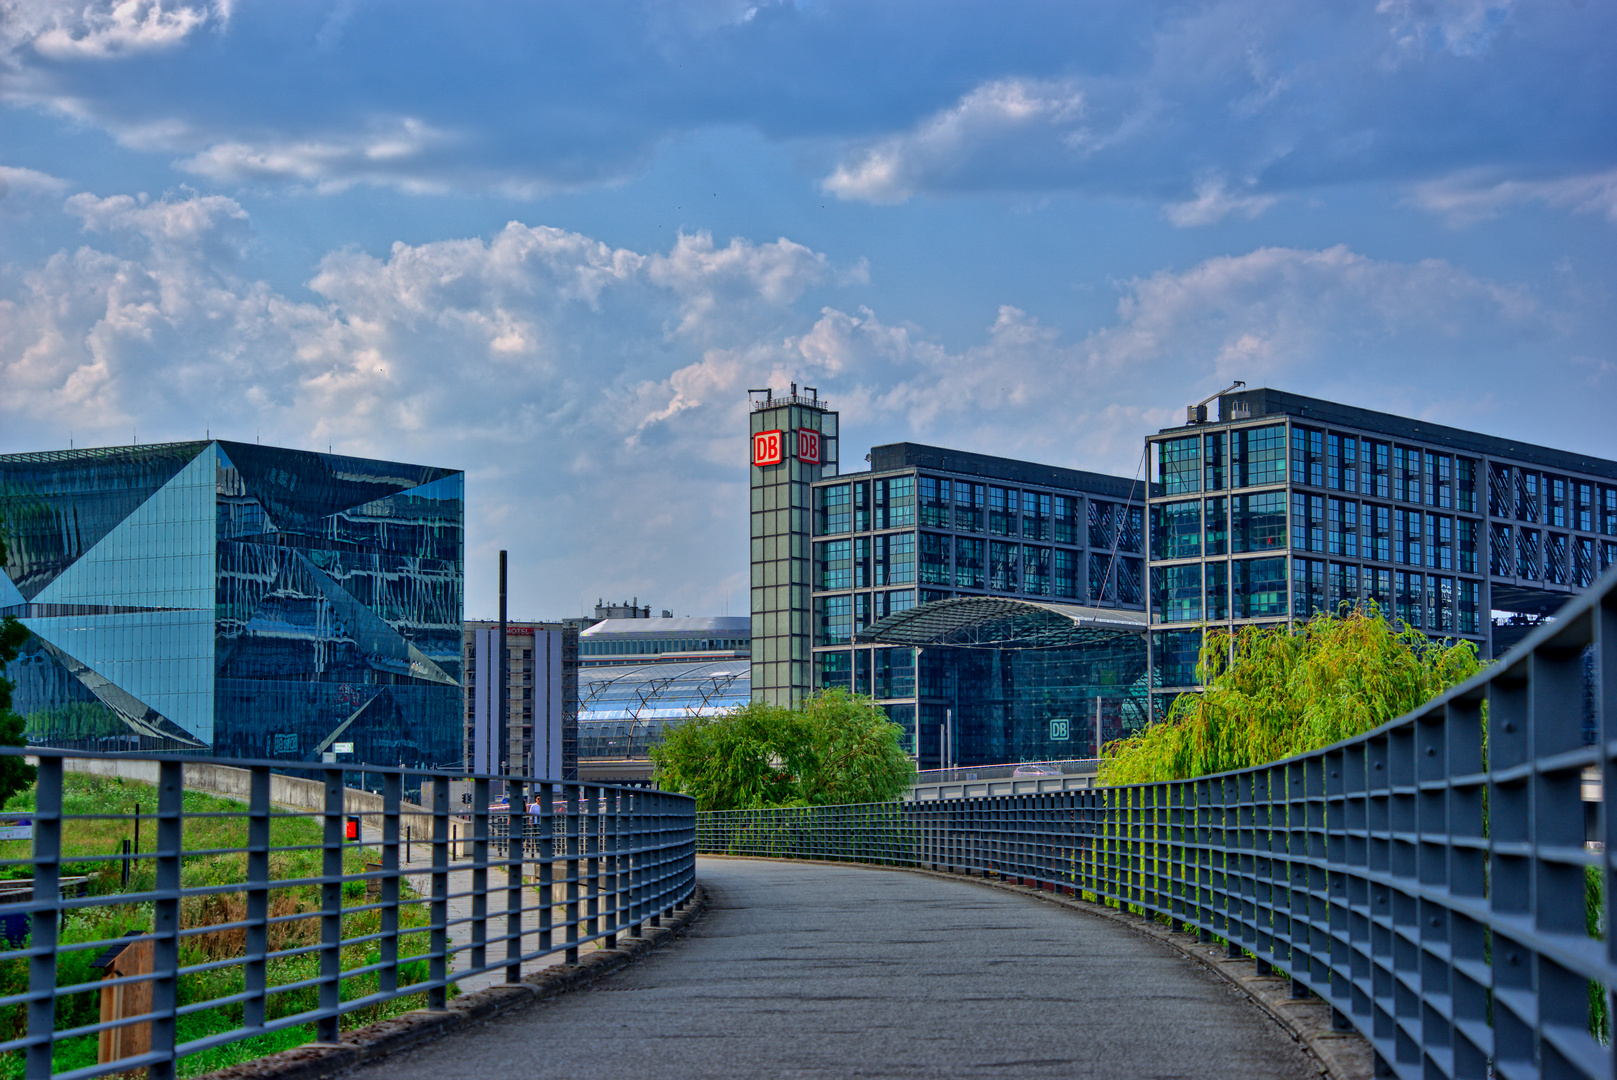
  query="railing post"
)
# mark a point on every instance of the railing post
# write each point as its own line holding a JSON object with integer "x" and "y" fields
{"x": 479, "y": 898}
{"x": 516, "y": 853}
{"x": 547, "y": 863}
{"x": 609, "y": 864}
{"x": 254, "y": 966}
{"x": 438, "y": 936}
{"x": 590, "y": 823}
{"x": 328, "y": 1021}
{"x": 45, "y": 917}
{"x": 166, "y": 914}
{"x": 388, "y": 947}
{"x": 573, "y": 826}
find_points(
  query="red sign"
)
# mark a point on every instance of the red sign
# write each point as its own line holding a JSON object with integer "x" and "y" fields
{"x": 767, "y": 448}
{"x": 808, "y": 447}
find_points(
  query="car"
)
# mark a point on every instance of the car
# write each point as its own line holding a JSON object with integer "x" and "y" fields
{"x": 1035, "y": 769}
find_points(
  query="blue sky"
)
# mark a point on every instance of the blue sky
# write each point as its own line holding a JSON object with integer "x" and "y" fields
{"x": 554, "y": 244}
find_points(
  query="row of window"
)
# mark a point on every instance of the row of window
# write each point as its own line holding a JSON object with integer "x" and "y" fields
{"x": 972, "y": 507}
{"x": 864, "y": 561}
{"x": 643, "y": 647}
{"x": 1383, "y": 470}
{"x": 1256, "y": 589}
{"x": 881, "y": 673}
{"x": 837, "y": 618}
{"x": 1245, "y": 457}
{"x": 1557, "y": 501}
{"x": 1555, "y": 558}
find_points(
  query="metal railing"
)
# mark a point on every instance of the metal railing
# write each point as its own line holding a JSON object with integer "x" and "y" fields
{"x": 254, "y": 920}
{"x": 1429, "y": 880}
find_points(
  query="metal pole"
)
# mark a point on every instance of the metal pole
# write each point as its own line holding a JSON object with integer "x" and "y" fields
{"x": 502, "y": 753}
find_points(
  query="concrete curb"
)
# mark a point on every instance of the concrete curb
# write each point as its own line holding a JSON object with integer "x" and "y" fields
{"x": 317, "y": 1061}
{"x": 1342, "y": 1055}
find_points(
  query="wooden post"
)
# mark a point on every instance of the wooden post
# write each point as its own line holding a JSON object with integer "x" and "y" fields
{"x": 127, "y": 999}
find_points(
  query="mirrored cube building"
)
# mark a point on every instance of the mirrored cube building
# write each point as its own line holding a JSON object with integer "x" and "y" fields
{"x": 230, "y": 599}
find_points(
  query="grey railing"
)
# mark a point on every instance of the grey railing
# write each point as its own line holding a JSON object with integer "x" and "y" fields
{"x": 1430, "y": 880}
{"x": 251, "y": 920}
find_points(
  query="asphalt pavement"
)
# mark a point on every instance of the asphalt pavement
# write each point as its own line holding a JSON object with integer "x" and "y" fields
{"x": 825, "y": 971}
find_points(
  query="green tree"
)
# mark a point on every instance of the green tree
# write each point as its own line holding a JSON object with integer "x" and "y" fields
{"x": 1272, "y": 692}
{"x": 15, "y": 774}
{"x": 835, "y": 748}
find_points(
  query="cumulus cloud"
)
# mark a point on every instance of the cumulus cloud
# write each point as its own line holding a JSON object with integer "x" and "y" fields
{"x": 596, "y": 394}
{"x": 1467, "y": 198}
{"x": 60, "y": 30}
{"x": 17, "y": 185}
{"x": 1213, "y": 203}
{"x": 975, "y": 141}
{"x": 389, "y": 152}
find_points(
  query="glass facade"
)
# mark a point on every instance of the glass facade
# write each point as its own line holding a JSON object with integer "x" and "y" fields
{"x": 237, "y": 599}
{"x": 1322, "y": 505}
{"x": 624, "y": 710}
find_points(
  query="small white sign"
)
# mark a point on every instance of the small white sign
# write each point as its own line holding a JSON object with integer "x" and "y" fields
{"x": 329, "y": 757}
{"x": 16, "y": 829}
{"x": 343, "y": 747}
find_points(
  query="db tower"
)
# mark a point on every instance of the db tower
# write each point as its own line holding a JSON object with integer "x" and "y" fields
{"x": 794, "y": 443}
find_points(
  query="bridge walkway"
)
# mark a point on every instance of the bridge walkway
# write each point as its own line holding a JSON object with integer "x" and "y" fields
{"x": 827, "y": 971}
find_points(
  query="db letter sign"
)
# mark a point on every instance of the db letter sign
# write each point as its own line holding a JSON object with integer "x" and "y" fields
{"x": 808, "y": 447}
{"x": 766, "y": 448}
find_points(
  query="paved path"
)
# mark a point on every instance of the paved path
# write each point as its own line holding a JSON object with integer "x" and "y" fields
{"x": 815, "y": 971}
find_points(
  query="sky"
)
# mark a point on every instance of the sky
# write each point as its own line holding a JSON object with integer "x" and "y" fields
{"x": 554, "y": 245}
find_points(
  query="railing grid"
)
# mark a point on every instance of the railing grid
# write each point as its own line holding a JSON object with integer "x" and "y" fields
{"x": 1428, "y": 880}
{"x": 328, "y": 924}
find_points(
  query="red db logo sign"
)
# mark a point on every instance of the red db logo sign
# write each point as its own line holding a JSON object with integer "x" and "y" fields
{"x": 808, "y": 447}
{"x": 766, "y": 448}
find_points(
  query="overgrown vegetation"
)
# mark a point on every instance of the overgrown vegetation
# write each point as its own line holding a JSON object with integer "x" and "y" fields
{"x": 211, "y": 823}
{"x": 835, "y": 748}
{"x": 1272, "y": 692}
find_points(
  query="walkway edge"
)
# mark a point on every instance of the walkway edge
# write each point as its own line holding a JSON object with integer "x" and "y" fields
{"x": 1342, "y": 1055}
{"x": 318, "y": 1061}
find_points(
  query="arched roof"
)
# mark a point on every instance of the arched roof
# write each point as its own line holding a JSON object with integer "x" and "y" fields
{"x": 1002, "y": 623}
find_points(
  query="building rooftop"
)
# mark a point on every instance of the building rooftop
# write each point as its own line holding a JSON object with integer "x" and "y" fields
{"x": 729, "y": 625}
{"x": 895, "y": 456}
{"x": 1264, "y": 401}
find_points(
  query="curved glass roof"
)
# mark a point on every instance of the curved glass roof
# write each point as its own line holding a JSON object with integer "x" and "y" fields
{"x": 621, "y": 710}
{"x": 1000, "y": 622}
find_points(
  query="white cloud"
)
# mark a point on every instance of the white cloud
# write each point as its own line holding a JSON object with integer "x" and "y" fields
{"x": 1213, "y": 203}
{"x": 1461, "y": 27}
{"x": 386, "y": 153}
{"x": 97, "y": 31}
{"x": 1470, "y": 197}
{"x": 974, "y": 136}
{"x": 17, "y": 183}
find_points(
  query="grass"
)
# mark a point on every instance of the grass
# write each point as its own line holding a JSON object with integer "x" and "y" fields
{"x": 211, "y": 823}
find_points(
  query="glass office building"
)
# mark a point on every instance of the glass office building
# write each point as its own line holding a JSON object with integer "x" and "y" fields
{"x": 1288, "y": 505}
{"x": 238, "y": 600}
{"x": 928, "y": 524}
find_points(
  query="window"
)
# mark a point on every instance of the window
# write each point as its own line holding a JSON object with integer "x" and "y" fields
{"x": 1132, "y": 519}
{"x": 1406, "y": 474}
{"x": 1176, "y": 593}
{"x": 1440, "y": 541}
{"x": 1036, "y": 570}
{"x": 1067, "y": 509}
{"x": 836, "y": 619}
{"x": 1342, "y": 534}
{"x": 1500, "y": 551}
{"x": 1068, "y": 583}
{"x": 895, "y": 673}
{"x": 1258, "y": 522}
{"x": 935, "y": 568}
{"x": 891, "y": 603}
{"x": 1500, "y": 501}
{"x": 1003, "y": 564}
{"x": 1307, "y": 522}
{"x": 1467, "y": 533}
{"x": 1128, "y": 581}
{"x": 1216, "y": 526}
{"x": 1217, "y": 576}
{"x": 1555, "y": 561}
{"x": 1378, "y": 589}
{"x": 1259, "y": 455}
{"x": 1176, "y": 530}
{"x": 1407, "y": 540}
{"x": 1555, "y": 502}
{"x": 1377, "y": 458}
{"x": 1177, "y": 466}
{"x": 1307, "y": 587}
{"x": 862, "y": 577}
{"x": 895, "y": 559}
{"x": 1002, "y": 511}
{"x": 1307, "y": 456}
{"x": 1583, "y": 562}
{"x": 1213, "y": 460}
{"x": 1035, "y": 515}
{"x": 1465, "y": 485}
{"x": 1175, "y": 653}
{"x": 833, "y": 510}
{"x": 968, "y": 563}
{"x": 1342, "y": 584}
{"x": 1440, "y": 604}
{"x": 1407, "y": 597}
{"x": 1102, "y": 524}
{"x": 861, "y": 506}
{"x": 895, "y": 502}
{"x": 968, "y": 506}
{"x": 1608, "y": 511}
{"x": 835, "y": 561}
{"x": 836, "y": 670}
{"x": 934, "y": 502}
{"x": 1466, "y": 622}
{"x": 1258, "y": 588}
{"x": 1342, "y": 463}
{"x": 1527, "y": 553}
{"x": 1583, "y": 512}
{"x": 1439, "y": 480}
{"x": 1526, "y": 496}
